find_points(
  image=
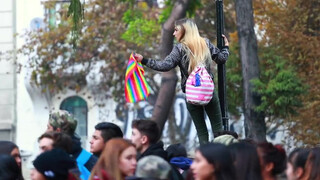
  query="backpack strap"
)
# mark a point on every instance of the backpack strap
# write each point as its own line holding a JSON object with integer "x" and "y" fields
{"x": 82, "y": 159}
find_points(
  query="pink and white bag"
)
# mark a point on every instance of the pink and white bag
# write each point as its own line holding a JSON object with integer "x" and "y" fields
{"x": 199, "y": 86}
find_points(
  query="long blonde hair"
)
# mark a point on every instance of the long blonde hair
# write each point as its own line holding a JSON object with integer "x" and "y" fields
{"x": 194, "y": 45}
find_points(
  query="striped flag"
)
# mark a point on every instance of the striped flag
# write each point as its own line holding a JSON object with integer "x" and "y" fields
{"x": 136, "y": 86}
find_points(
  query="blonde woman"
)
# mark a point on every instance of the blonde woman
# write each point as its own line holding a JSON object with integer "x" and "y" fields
{"x": 193, "y": 50}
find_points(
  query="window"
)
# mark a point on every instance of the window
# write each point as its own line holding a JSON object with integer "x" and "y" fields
{"x": 55, "y": 10}
{"x": 78, "y": 107}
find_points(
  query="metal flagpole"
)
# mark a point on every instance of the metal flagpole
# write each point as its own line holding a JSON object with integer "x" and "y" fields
{"x": 221, "y": 67}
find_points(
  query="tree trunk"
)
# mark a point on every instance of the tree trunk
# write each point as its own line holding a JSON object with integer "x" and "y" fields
{"x": 169, "y": 79}
{"x": 255, "y": 126}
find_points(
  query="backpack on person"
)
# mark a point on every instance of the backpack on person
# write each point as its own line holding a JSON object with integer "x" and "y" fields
{"x": 199, "y": 86}
{"x": 82, "y": 159}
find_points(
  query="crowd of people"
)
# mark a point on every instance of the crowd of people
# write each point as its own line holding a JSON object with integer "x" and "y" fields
{"x": 143, "y": 156}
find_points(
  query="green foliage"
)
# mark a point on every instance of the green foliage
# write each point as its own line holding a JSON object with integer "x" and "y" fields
{"x": 75, "y": 10}
{"x": 56, "y": 64}
{"x": 234, "y": 81}
{"x": 166, "y": 11}
{"x": 131, "y": 2}
{"x": 193, "y": 6}
{"x": 139, "y": 30}
{"x": 293, "y": 26}
{"x": 279, "y": 86}
{"x": 191, "y": 10}
{"x": 131, "y": 15}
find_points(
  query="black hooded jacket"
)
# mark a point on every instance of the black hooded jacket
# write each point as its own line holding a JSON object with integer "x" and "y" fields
{"x": 155, "y": 149}
{"x": 76, "y": 150}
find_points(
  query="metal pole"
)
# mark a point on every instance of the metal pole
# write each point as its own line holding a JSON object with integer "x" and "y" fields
{"x": 221, "y": 67}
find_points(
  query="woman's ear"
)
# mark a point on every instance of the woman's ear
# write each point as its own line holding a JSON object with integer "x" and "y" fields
{"x": 269, "y": 167}
{"x": 299, "y": 172}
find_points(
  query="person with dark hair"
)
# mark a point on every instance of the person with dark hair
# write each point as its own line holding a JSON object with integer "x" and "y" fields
{"x": 191, "y": 52}
{"x": 213, "y": 161}
{"x": 145, "y": 136}
{"x": 248, "y": 140}
{"x": 9, "y": 169}
{"x": 10, "y": 148}
{"x": 104, "y": 131}
{"x": 63, "y": 121}
{"x": 312, "y": 167}
{"x": 53, "y": 165}
{"x": 176, "y": 150}
{"x": 50, "y": 140}
{"x": 272, "y": 160}
{"x": 296, "y": 162}
{"x": 177, "y": 156}
{"x": 246, "y": 161}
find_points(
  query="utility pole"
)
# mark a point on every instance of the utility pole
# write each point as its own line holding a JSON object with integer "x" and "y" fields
{"x": 221, "y": 67}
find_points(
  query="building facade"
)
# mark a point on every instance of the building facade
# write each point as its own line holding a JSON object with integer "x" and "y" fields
{"x": 8, "y": 118}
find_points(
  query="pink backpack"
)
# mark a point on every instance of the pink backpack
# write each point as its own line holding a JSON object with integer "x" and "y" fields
{"x": 199, "y": 86}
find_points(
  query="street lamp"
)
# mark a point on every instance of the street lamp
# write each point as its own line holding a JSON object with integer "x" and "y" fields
{"x": 221, "y": 67}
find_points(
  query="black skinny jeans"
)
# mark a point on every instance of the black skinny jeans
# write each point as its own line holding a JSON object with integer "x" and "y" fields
{"x": 198, "y": 116}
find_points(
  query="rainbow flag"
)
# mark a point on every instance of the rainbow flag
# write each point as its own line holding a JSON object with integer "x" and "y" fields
{"x": 136, "y": 86}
